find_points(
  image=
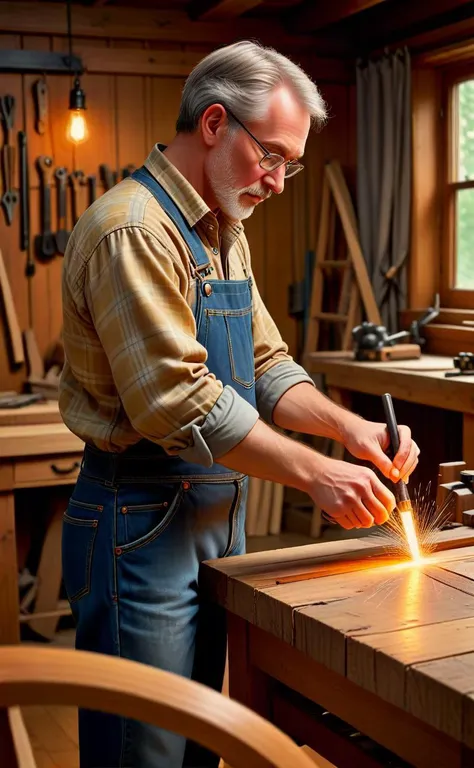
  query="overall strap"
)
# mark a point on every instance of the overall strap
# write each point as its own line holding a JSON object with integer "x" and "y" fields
{"x": 144, "y": 177}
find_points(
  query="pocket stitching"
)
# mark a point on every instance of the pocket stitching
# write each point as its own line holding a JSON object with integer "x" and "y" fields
{"x": 246, "y": 384}
{"x": 233, "y": 514}
{"x": 153, "y": 534}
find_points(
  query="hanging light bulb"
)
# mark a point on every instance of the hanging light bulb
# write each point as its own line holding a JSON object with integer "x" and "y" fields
{"x": 77, "y": 130}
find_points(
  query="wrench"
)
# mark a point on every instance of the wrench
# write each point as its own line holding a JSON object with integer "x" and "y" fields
{"x": 77, "y": 179}
{"x": 45, "y": 242}
{"x": 10, "y": 195}
{"x": 62, "y": 235}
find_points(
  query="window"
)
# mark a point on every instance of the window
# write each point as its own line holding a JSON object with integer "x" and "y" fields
{"x": 457, "y": 278}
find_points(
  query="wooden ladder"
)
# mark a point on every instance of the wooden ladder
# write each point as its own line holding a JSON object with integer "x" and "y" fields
{"x": 355, "y": 292}
{"x": 355, "y": 285}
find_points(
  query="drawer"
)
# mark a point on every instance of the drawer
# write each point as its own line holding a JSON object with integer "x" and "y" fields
{"x": 52, "y": 470}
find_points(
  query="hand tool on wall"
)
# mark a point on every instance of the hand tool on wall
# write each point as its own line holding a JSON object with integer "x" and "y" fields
{"x": 25, "y": 203}
{"x": 128, "y": 170}
{"x": 92, "y": 186}
{"x": 13, "y": 326}
{"x": 108, "y": 177}
{"x": 40, "y": 96}
{"x": 402, "y": 497}
{"x": 45, "y": 241}
{"x": 10, "y": 195}
{"x": 76, "y": 179}
{"x": 62, "y": 235}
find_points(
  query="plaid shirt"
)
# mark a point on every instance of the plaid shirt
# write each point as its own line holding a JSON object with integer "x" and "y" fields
{"x": 134, "y": 368}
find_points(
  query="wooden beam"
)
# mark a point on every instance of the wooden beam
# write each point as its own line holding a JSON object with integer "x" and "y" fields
{"x": 137, "y": 61}
{"x": 311, "y": 16}
{"x": 410, "y": 20}
{"x": 138, "y": 24}
{"x": 217, "y": 10}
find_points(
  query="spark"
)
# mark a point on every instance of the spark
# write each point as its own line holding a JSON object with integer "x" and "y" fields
{"x": 427, "y": 519}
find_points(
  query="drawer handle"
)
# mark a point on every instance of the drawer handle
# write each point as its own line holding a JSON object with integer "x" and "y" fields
{"x": 67, "y": 470}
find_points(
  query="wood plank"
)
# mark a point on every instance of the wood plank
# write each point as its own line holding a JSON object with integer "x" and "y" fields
{"x": 136, "y": 61}
{"x": 22, "y": 743}
{"x": 165, "y": 101}
{"x": 311, "y": 17}
{"x": 216, "y": 10}
{"x": 406, "y": 599}
{"x": 412, "y": 739}
{"x": 278, "y": 240}
{"x": 424, "y": 387}
{"x": 436, "y": 691}
{"x": 425, "y": 219}
{"x": 131, "y": 125}
{"x": 12, "y": 373}
{"x": 38, "y": 439}
{"x": 9, "y": 608}
{"x": 235, "y": 583}
{"x": 101, "y": 122}
{"x": 141, "y": 24}
{"x": 37, "y": 413}
{"x": 380, "y": 662}
{"x": 220, "y": 578}
{"x": 274, "y": 606}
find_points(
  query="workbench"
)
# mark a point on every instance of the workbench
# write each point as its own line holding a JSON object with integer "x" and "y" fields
{"x": 345, "y": 648}
{"x": 419, "y": 381}
{"x": 32, "y": 455}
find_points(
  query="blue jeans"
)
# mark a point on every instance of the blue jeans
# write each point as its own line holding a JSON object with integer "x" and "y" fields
{"x": 131, "y": 553}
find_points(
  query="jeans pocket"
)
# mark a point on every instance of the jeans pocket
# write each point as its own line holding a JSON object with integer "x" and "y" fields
{"x": 80, "y": 523}
{"x": 237, "y": 518}
{"x": 140, "y": 523}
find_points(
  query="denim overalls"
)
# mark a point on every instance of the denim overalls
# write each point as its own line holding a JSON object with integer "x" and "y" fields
{"x": 138, "y": 525}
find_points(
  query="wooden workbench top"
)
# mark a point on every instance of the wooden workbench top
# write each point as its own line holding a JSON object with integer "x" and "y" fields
{"x": 36, "y": 413}
{"x": 419, "y": 381}
{"x": 37, "y": 440}
{"x": 403, "y": 633}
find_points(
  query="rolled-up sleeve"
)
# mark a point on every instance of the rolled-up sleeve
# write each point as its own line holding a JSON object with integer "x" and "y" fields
{"x": 148, "y": 333}
{"x": 275, "y": 370}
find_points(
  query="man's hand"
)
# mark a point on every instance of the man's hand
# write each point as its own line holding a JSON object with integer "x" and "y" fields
{"x": 351, "y": 495}
{"x": 369, "y": 441}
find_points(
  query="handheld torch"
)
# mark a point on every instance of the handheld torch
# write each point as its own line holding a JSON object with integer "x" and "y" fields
{"x": 402, "y": 497}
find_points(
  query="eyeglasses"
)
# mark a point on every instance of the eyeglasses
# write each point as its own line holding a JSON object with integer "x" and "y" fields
{"x": 270, "y": 161}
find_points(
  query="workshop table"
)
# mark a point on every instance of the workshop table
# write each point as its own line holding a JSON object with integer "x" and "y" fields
{"x": 333, "y": 639}
{"x": 417, "y": 381}
{"x": 32, "y": 455}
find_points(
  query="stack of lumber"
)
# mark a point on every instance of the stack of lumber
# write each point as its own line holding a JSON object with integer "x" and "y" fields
{"x": 264, "y": 507}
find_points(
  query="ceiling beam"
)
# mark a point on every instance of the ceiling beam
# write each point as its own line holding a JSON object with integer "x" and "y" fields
{"x": 311, "y": 16}
{"x": 219, "y": 10}
{"x": 411, "y": 20}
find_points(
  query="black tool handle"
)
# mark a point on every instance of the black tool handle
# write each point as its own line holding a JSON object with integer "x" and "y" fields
{"x": 92, "y": 189}
{"x": 24, "y": 192}
{"x": 61, "y": 178}
{"x": 400, "y": 489}
{"x": 45, "y": 167}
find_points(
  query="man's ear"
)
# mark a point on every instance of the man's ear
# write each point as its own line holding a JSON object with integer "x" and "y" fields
{"x": 213, "y": 121}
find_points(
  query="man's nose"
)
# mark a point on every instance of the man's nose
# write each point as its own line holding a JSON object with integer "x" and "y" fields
{"x": 276, "y": 180}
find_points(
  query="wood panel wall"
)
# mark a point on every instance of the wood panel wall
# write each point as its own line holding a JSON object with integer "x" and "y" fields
{"x": 127, "y": 114}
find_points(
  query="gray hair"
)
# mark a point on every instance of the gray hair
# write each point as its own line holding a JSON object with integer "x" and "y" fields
{"x": 240, "y": 77}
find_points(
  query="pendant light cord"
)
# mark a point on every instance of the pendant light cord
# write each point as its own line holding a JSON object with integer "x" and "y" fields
{"x": 69, "y": 32}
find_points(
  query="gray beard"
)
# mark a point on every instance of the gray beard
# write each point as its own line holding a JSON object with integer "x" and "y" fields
{"x": 223, "y": 183}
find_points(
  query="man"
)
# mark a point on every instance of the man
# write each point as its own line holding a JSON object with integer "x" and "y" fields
{"x": 175, "y": 373}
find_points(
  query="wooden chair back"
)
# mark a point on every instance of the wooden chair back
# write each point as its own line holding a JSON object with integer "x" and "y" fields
{"x": 61, "y": 676}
